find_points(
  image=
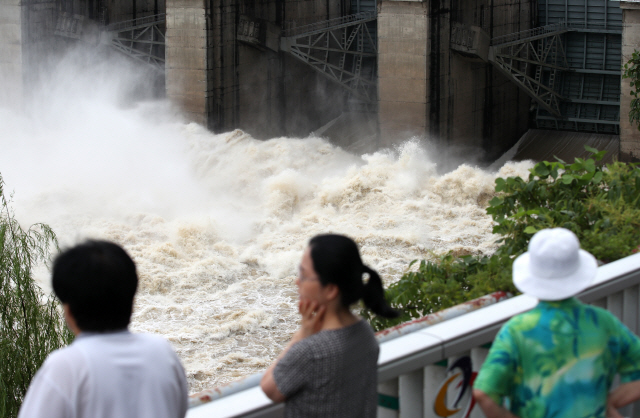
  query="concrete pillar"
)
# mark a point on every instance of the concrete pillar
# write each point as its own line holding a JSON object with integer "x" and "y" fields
{"x": 629, "y": 134}
{"x": 186, "y": 57}
{"x": 428, "y": 89}
{"x": 402, "y": 70}
{"x": 11, "y": 69}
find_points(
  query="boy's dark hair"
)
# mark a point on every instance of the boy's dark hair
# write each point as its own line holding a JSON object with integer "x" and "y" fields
{"x": 98, "y": 280}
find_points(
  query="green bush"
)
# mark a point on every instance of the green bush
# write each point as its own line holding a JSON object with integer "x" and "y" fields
{"x": 31, "y": 325}
{"x": 601, "y": 205}
{"x": 631, "y": 71}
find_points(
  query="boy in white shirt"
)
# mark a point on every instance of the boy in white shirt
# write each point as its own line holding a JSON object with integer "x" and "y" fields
{"x": 107, "y": 372}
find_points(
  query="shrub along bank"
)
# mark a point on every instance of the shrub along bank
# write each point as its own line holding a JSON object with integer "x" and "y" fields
{"x": 31, "y": 325}
{"x": 600, "y": 204}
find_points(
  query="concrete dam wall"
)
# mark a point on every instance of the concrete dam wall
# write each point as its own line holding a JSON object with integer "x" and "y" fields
{"x": 225, "y": 73}
{"x": 226, "y": 84}
{"x": 427, "y": 89}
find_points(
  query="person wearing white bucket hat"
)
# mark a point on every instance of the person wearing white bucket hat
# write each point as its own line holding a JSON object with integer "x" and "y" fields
{"x": 558, "y": 359}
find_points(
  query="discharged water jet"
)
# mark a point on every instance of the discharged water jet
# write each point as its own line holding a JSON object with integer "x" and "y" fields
{"x": 217, "y": 222}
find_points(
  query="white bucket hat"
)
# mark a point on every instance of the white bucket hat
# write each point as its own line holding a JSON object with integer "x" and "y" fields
{"x": 555, "y": 267}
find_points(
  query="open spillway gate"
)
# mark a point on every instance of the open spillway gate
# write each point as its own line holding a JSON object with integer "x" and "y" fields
{"x": 571, "y": 72}
{"x": 540, "y": 48}
{"x": 570, "y": 65}
{"x": 343, "y": 49}
{"x": 142, "y": 39}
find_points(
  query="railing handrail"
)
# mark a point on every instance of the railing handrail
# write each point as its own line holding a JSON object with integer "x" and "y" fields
{"x": 436, "y": 342}
{"x": 327, "y": 24}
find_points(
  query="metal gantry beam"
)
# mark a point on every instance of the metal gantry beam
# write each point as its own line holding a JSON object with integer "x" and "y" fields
{"x": 337, "y": 49}
{"x": 142, "y": 39}
{"x": 520, "y": 54}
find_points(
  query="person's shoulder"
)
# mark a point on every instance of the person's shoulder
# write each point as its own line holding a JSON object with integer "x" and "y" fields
{"x": 363, "y": 326}
{"x": 527, "y": 319}
{"x": 316, "y": 345}
{"x": 63, "y": 362}
{"x": 362, "y": 329}
{"x": 63, "y": 354}
{"x": 150, "y": 338}
{"x": 600, "y": 315}
{"x": 327, "y": 342}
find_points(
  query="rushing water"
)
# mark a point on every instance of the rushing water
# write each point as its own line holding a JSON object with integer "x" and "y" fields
{"x": 217, "y": 223}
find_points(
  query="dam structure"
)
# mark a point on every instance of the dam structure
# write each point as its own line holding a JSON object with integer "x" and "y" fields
{"x": 472, "y": 74}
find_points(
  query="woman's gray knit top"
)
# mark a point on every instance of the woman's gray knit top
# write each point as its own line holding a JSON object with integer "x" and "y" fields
{"x": 331, "y": 374}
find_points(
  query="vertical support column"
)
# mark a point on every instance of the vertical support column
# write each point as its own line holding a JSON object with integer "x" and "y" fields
{"x": 223, "y": 75}
{"x": 186, "y": 58}
{"x": 478, "y": 356}
{"x": 629, "y": 134}
{"x": 402, "y": 70}
{"x": 388, "y": 392}
{"x": 411, "y": 394}
{"x": 630, "y": 311}
{"x": 11, "y": 59}
{"x": 434, "y": 375}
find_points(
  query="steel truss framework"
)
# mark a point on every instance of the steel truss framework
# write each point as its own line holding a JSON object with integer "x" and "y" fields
{"x": 516, "y": 54}
{"x": 142, "y": 39}
{"x": 343, "y": 49}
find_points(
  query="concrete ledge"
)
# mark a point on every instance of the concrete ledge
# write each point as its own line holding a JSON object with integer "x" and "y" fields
{"x": 630, "y": 4}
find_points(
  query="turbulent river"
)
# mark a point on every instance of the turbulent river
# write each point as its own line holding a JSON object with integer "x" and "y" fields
{"x": 217, "y": 222}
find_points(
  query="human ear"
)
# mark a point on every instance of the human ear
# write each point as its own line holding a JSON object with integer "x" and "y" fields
{"x": 332, "y": 291}
{"x": 70, "y": 319}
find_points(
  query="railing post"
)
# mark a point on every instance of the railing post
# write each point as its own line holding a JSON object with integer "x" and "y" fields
{"x": 478, "y": 356}
{"x": 434, "y": 375}
{"x": 630, "y": 313}
{"x": 388, "y": 390}
{"x": 411, "y": 394}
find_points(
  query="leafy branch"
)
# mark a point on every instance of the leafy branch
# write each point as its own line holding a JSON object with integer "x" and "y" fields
{"x": 631, "y": 71}
{"x": 31, "y": 325}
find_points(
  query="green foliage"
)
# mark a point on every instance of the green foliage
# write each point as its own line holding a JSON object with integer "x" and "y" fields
{"x": 31, "y": 325}
{"x": 601, "y": 205}
{"x": 440, "y": 284}
{"x": 631, "y": 71}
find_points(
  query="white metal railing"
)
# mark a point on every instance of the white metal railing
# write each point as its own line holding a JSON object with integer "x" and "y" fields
{"x": 413, "y": 369}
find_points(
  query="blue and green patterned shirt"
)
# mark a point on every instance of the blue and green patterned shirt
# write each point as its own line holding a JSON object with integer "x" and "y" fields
{"x": 558, "y": 360}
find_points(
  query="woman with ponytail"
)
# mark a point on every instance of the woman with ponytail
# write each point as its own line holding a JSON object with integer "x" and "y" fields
{"x": 329, "y": 368}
